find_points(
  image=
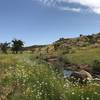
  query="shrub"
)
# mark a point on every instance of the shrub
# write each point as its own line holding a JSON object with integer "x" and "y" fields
{"x": 96, "y": 65}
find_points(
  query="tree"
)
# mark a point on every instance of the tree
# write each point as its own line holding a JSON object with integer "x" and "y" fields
{"x": 4, "y": 47}
{"x": 56, "y": 45}
{"x": 81, "y": 35}
{"x": 92, "y": 39}
{"x": 17, "y": 45}
{"x": 47, "y": 49}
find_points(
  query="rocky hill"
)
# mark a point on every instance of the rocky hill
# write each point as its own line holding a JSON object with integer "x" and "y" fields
{"x": 81, "y": 41}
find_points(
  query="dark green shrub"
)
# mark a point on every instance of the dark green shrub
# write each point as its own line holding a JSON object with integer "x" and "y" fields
{"x": 96, "y": 65}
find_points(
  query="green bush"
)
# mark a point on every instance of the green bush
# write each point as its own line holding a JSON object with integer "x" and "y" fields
{"x": 96, "y": 65}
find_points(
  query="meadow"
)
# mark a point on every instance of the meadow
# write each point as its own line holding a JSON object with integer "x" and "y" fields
{"x": 24, "y": 77}
{"x": 84, "y": 56}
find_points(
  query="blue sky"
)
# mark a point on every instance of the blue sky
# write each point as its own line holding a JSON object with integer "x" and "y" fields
{"x": 44, "y": 21}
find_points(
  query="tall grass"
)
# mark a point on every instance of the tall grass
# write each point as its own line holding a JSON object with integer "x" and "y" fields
{"x": 84, "y": 56}
{"x": 25, "y": 78}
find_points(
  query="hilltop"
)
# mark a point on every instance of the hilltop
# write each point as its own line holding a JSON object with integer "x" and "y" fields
{"x": 68, "y": 43}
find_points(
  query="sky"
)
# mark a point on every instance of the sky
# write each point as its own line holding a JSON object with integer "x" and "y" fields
{"x": 45, "y": 21}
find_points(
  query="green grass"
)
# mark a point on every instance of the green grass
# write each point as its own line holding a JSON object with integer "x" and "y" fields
{"x": 22, "y": 77}
{"x": 84, "y": 56}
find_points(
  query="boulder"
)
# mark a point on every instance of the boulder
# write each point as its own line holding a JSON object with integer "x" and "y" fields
{"x": 81, "y": 76}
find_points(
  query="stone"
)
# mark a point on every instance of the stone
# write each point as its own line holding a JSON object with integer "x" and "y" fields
{"x": 81, "y": 76}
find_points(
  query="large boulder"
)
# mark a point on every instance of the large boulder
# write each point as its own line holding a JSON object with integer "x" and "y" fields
{"x": 81, "y": 76}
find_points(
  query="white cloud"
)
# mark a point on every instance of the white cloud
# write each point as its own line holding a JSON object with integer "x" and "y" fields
{"x": 92, "y": 5}
{"x": 70, "y": 9}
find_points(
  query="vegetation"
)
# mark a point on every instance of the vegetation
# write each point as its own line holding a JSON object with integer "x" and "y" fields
{"x": 17, "y": 45}
{"x": 37, "y": 74}
{"x": 24, "y": 78}
{"x": 4, "y": 47}
{"x": 96, "y": 65}
{"x": 84, "y": 56}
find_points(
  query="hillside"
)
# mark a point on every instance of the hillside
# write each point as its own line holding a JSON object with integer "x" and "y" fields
{"x": 82, "y": 41}
{"x": 72, "y": 52}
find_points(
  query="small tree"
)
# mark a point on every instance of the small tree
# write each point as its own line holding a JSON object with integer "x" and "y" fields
{"x": 17, "y": 45}
{"x": 4, "y": 47}
{"x": 56, "y": 46}
{"x": 47, "y": 49}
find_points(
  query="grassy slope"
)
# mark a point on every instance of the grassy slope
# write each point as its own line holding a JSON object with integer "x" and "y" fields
{"x": 84, "y": 56}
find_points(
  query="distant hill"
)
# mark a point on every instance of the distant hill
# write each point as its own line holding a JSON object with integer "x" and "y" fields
{"x": 34, "y": 47}
{"x": 81, "y": 41}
